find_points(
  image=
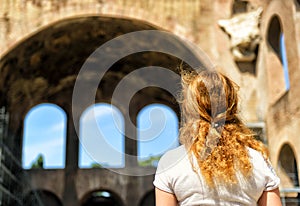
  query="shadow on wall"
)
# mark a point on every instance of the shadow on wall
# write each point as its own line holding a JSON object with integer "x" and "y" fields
{"x": 41, "y": 197}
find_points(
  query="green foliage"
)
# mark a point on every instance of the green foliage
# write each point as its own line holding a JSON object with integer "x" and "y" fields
{"x": 151, "y": 161}
{"x": 96, "y": 165}
{"x": 38, "y": 163}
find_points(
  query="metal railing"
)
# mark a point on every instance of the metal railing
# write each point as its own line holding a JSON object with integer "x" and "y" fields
{"x": 290, "y": 200}
{"x": 10, "y": 182}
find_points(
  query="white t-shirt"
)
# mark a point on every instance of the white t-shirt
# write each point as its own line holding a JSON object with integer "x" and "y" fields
{"x": 175, "y": 175}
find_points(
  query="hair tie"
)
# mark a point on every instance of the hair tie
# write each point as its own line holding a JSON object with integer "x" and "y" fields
{"x": 212, "y": 140}
{"x": 215, "y": 125}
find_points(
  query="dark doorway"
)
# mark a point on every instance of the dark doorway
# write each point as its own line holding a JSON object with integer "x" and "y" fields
{"x": 288, "y": 164}
{"x": 102, "y": 198}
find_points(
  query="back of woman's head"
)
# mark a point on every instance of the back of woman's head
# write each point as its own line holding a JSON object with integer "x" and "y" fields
{"x": 210, "y": 96}
{"x": 212, "y": 130}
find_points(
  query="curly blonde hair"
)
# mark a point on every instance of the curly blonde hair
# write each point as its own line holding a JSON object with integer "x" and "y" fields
{"x": 212, "y": 130}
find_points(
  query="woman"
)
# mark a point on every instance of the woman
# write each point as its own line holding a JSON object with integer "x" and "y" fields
{"x": 219, "y": 161}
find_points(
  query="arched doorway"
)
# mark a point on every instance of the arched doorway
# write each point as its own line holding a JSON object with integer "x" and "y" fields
{"x": 102, "y": 198}
{"x": 288, "y": 172}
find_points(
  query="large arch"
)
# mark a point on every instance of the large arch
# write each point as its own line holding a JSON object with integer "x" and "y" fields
{"x": 43, "y": 69}
{"x": 36, "y": 14}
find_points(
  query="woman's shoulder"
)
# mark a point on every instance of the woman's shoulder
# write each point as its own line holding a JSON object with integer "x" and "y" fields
{"x": 174, "y": 156}
{"x": 174, "y": 153}
{"x": 259, "y": 160}
{"x": 254, "y": 154}
{"x": 264, "y": 170}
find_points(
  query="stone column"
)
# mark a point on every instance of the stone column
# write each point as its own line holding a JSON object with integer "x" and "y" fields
{"x": 70, "y": 194}
{"x": 130, "y": 144}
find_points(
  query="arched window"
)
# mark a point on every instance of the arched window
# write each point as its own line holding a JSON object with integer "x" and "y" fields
{"x": 277, "y": 43}
{"x": 288, "y": 166}
{"x": 157, "y": 133}
{"x": 297, "y": 5}
{"x": 44, "y": 137}
{"x": 101, "y": 137}
{"x": 288, "y": 174}
{"x": 239, "y": 7}
{"x": 274, "y": 32}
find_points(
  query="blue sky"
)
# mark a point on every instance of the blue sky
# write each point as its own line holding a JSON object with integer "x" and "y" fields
{"x": 101, "y": 135}
{"x": 44, "y": 132}
{"x": 284, "y": 61}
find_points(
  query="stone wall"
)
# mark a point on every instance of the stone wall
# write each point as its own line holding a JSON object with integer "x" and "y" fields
{"x": 20, "y": 18}
{"x": 282, "y": 118}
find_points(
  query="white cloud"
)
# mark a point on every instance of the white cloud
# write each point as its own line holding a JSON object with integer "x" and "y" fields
{"x": 94, "y": 112}
{"x": 58, "y": 127}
